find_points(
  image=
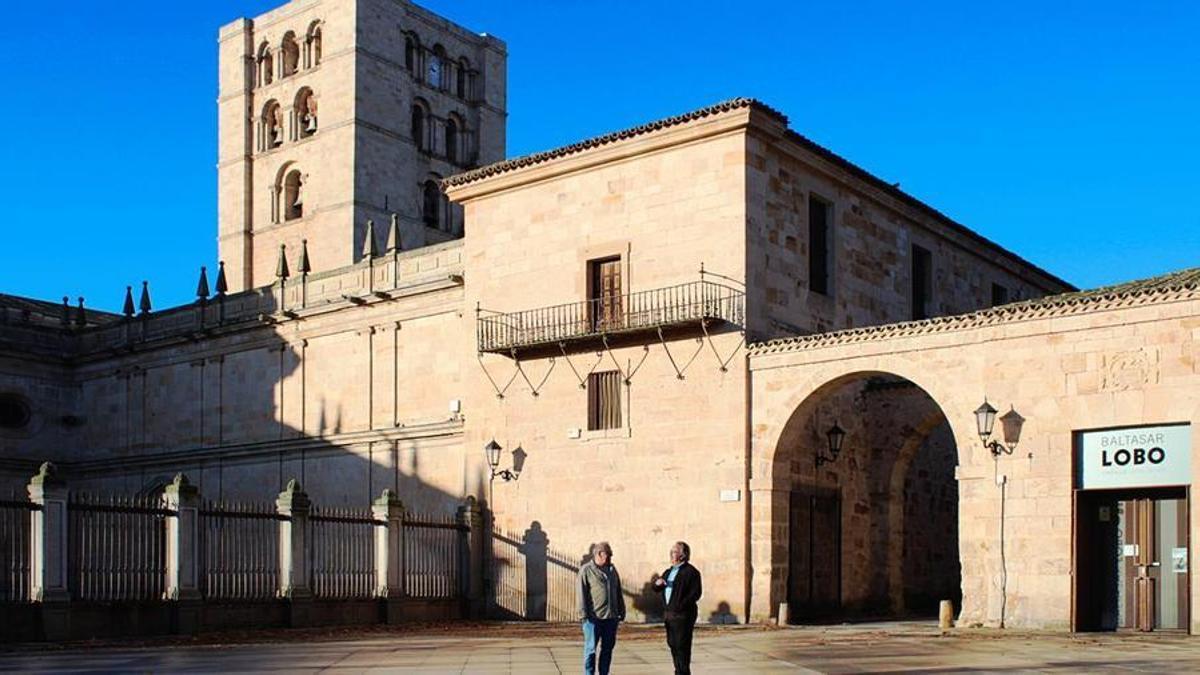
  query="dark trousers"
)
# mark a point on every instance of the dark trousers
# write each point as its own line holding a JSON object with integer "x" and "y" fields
{"x": 679, "y": 639}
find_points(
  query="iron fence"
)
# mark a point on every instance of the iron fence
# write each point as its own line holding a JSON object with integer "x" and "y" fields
{"x": 657, "y": 308}
{"x": 507, "y": 576}
{"x": 116, "y": 547}
{"x": 342, "y": 552}
{"x": 15, "y": 525}
{"x": 239, "y": 551}
{"x": 432, "y": 556}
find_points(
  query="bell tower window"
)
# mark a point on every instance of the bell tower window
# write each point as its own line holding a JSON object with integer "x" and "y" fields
{"x": 432, "y": 201}
{"x": 290, "y": 52}
{"x": 313, "y": 45}
{"x": 306, "y": 113}
{"x": 293, "y": 196}
{"x": 272, "y": 125}
{"x": 266, "y": 65}
{"x": 417, "y": 126}
{"x": 452, "y": 139}
{"x": 436, "y": 68}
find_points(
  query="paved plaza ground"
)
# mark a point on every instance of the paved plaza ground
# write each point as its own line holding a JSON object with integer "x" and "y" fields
{"x": 880, "y": 648}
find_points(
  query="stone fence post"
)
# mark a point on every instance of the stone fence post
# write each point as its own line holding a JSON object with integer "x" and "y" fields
{"x": 182, "y": 500}
{"x": 471, "y": 558}
{"x": 388, "y": 512}
{"x": 294, "y": 584}
{"x": 48, "y": 551}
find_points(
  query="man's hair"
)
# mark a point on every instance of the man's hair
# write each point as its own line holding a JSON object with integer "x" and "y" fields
{"x": 601, "y": 546}
{"x": 685, "y": 551}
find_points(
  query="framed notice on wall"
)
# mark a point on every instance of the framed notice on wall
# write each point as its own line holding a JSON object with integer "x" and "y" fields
{"x": 1134, "y": 457}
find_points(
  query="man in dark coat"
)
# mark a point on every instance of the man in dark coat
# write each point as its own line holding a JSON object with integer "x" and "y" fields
{"x": 680, "y": 586}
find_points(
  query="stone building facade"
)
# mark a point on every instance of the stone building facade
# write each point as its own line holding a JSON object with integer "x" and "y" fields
{"x": 660, "y": 327}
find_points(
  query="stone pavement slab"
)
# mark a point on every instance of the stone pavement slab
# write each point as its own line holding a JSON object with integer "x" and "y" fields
{"x": 878, "y": 648}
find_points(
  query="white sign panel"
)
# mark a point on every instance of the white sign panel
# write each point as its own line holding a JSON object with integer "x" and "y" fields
{"x": 1135, "y": 457}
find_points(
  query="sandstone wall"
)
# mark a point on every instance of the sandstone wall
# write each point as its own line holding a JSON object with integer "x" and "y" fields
{"x": 1105, "y": 363}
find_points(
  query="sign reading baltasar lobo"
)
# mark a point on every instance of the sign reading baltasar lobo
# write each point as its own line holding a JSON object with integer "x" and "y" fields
{"x": 1134, "y": 457}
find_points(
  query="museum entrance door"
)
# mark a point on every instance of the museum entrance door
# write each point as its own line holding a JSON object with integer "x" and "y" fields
{"x": 1132, "y": 560}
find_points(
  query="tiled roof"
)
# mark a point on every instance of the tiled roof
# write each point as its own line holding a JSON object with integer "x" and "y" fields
{"x": 597, "y": 141}
{"x": 724, "y": 107}
{"x": 1183, "y": 284}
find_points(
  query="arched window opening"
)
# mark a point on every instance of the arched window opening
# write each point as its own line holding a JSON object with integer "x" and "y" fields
{"x": 461, "y": 83}
{"x": 313, "y": 45}
{"x": 411, "y": 50}
{"x": 290, "y": 53}
{"x": 293, "y": 195}
{"x": 306, "y": 113}
{"x": 452, "y": 127}
{"x": 272, "y": 125}
{"x": 430, "y": 211}
{"x": 266, "y": 65}
{"x": 417, "y": 126}
{"x": 436, "y": 67}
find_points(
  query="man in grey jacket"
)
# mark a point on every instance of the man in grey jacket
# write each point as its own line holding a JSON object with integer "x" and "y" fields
{"x": 601, "y": 608}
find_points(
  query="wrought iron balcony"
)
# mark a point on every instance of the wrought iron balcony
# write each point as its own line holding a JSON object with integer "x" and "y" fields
{"x": 674, "y": 311}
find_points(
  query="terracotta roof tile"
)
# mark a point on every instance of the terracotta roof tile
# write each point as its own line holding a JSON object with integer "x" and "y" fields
{"x": 1183, "y": 284}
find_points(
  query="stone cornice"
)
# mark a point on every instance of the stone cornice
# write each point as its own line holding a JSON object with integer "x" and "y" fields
{"x": 1067, "y": 304}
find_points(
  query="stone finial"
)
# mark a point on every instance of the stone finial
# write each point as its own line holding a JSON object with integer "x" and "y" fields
{"x": 222, "y": 284}
{"x": 304, "y": 267}
{"x": 181, "y": 486}
{"x": 281, "y": 268}
{"x": 81, "y": 315}
{"x": 393, "y": 238}
{"x": 389, "y": 498}
{"x": 369, "y": 248}
{"x": 47, "y": 474}
{"x": 292, "y": 497}
{"x": 128, "y": 310}
{"x": 66, "y": 311}
{"x": 202, "y": 285}
{"x": 144, "y": 303}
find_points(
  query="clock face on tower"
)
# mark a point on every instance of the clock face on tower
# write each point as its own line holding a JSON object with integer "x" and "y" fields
{"x": 435, "y": 72}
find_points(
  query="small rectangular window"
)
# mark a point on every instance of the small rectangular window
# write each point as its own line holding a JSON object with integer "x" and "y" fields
{"x": 922, "y": 282}
{"x": 999, "y": 295}
{"x": 818, "y": 245}
{"x": 604, "y": 400}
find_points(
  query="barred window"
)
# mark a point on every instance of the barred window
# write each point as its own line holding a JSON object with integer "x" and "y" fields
{"x": 604, "y": 400}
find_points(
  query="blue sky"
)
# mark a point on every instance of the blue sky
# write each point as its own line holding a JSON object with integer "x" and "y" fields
{"x": 1066, "y": 131}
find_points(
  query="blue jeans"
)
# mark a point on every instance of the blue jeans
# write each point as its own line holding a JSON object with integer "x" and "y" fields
{"x": 604, "y": 632}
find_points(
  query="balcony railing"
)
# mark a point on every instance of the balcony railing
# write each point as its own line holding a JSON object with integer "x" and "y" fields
{"x": 573, "y": 325}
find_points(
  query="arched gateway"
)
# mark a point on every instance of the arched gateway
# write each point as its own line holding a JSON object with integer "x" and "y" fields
{"x": 1047, "y": 534}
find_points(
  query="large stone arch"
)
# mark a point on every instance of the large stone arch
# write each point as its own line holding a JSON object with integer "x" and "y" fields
{"x": 781, "y": 393}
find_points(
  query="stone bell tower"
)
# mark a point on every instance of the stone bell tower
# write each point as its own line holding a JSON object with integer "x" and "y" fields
{"x": 336, "y": 112}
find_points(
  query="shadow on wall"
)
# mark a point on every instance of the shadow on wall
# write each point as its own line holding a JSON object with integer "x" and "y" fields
{"x": 530, "y": 581}
{"x": 241, "y": 423}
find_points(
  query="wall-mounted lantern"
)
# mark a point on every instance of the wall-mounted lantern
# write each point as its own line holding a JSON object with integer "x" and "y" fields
{"x": 1011, "y": 422}
{"x": 492, "y": 451}
{"x": 835, "y": 436}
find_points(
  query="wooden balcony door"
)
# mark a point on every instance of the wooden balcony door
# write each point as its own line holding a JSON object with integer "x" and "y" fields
{"x": 604, "y": 294}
